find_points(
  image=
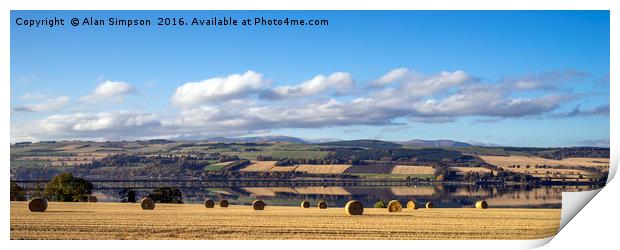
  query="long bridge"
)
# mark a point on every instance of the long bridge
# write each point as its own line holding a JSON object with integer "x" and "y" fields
{"x": 223, "y": 183}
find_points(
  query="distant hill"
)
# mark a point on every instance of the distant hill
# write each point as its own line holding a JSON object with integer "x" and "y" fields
{"x": 434, "y": 143}
{"x": 362, "y": 144}
{"x": 269, "y": 138}
{"x": 321, "y": 140}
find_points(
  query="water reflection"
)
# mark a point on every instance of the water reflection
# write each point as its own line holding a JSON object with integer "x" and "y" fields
{"x": 442, "y": 196}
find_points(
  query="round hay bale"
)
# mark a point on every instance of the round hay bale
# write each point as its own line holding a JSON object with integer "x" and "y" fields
{"x": 430, "y": 205}
{"x": 209, "y": 203}
{"x": 305, "y": 204}
{"x": 322, "y": 205}
{"x": 482, "y": 204}
{"x": 223, "y": 203}
{"x": 37, "y": 204}
{"x": 412, "y": 205}
{"x": 395, "y": 206}
{"x": 92, "y": 198}
{"x": 258, "y": 205}
{"x": 147, "y": 204}
{"x": 354, "y": 208}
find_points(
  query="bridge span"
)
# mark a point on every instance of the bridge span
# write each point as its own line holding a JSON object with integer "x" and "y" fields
{"x": 224, "y": 183}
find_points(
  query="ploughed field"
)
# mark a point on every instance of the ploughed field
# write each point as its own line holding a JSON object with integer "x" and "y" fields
{"x": 194, "y": 221}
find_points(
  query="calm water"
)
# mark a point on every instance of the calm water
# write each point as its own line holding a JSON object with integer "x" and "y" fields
{"x": 442, "y": 196}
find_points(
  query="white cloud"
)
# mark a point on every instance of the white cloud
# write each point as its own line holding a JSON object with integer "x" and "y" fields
{"x": 390, "y": 77}
{"x": 97, "y": 126}
{"x": 428, "y": 85}
{"x": 485, "y": 100}
{"x": 50, "y": 105}
{"x": 217, "y": 89}
{"x": 552, "y": 80}
{"x": 110, "y": 91}
{"x": 339, "y": 82}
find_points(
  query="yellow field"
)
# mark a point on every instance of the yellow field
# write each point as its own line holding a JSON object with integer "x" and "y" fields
{"x": 259, "y": 166}
{"x": 418, "y": 170}
{"x": 548, "y": 171}
{"x": 322, "y": 169}
{"x": 168, "y": 221}
{"x": 470, "y": 169}
{"x": 283, "y": 169}
{"x": 269, "y": 166}
{"x": 505, "y": 161}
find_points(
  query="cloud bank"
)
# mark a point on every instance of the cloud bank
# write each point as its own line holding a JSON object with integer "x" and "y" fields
{"x": 247, "y": 103}
{"x": 49, "y": 105}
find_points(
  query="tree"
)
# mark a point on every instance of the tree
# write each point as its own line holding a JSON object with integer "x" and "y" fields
{"x": 166, "y": 195}
{"x": 380, "y": 204}
{"x": 443, "y": 174}
{"x": 66, "y": 187}
{"x": 17, "y": 193}
{"x": 128, "y": 195}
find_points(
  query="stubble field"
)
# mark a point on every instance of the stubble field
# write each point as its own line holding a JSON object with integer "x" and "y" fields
{"x": 193, "y": 221}
{"x": 505, "y": 161}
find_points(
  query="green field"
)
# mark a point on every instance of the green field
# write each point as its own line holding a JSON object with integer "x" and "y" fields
{"x": 214, "y": 167}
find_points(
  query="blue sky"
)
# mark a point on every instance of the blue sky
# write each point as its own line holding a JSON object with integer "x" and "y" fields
{"x": 520, "y": 78}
